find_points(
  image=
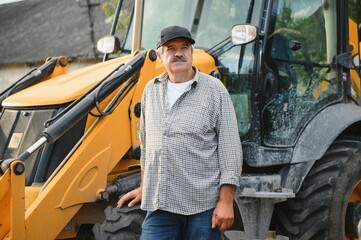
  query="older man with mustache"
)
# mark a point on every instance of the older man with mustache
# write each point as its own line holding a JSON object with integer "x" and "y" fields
{"x": 191, "y": 155}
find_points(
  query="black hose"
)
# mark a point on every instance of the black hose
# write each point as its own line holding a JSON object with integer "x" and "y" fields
{"x": 70, "y": 106}
{"x": 76, "y": 113}
{"x": 31, "y": 78}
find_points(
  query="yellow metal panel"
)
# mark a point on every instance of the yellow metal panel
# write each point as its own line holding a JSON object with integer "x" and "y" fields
{"x": 4, "y": 183}
{"x": 63, "y": 88}
{"x": 91, "y": 176}
{"x": 98, "y": 154}
{"x": 5, "y": 199}
{"x": 17, "y": 182}
{"x": 12, "y": 202}
{"x": 31, "y": 194}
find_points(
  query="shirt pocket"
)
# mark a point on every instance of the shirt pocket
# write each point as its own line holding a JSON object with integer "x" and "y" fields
{"x": 193, "y": 121}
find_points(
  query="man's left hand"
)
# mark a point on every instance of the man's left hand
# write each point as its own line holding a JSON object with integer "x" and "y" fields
{"x": 223, "y": 215}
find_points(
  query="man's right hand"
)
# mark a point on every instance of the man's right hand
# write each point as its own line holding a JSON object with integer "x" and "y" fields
{"x": 135, "y": 194}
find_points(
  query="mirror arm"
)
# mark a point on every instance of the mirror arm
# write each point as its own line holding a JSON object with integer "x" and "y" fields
{"x": 114, "y": 26}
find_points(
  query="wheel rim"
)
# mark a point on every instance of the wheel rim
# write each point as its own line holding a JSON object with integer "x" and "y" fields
{"x": 356, "y": 193}
{"x": 353, "y": 211}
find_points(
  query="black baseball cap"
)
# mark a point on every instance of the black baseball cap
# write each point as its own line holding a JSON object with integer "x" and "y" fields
{"x": 173, "y": 32}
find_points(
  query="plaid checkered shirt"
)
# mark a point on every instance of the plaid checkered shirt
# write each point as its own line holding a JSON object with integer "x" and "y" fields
{"x": 189, "y": 150}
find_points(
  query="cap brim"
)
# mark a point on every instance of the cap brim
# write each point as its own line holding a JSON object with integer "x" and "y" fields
{"x": 191, "y": 40}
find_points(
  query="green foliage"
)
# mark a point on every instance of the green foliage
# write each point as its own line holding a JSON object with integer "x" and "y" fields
{"x": 109, "y": 7}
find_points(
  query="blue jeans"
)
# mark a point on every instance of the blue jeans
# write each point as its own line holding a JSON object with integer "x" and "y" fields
{"x": 162, "y": 225}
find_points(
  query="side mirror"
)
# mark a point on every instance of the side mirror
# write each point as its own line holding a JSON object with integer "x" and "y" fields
{"x": 356, "y": 60}
{"x": 243, "y": 33}
{"x": 108, "y": 45}
{"x": 356, "y": 63}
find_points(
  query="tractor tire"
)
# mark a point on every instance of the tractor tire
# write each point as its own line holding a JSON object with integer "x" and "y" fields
{"x": 85, "y": 233}
{"x": 124, "y": 223}
{"x": 319, "y": 209}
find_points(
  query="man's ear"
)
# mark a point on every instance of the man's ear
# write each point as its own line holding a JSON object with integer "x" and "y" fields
{"x": 159, "y": 57}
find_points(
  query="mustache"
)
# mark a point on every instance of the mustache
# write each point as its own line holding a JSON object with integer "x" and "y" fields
{"x": 179, "y": 59}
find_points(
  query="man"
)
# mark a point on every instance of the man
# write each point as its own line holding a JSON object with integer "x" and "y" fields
{"x": 191, "y": 155}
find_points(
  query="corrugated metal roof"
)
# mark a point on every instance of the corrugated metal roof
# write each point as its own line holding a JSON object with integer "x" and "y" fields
{"x": 32, "y": 30}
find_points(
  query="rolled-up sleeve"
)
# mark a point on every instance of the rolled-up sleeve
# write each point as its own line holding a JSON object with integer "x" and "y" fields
{"x": 229, "y": 143}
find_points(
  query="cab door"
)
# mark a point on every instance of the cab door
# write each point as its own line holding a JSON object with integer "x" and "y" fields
{"x": 300, "y": 70}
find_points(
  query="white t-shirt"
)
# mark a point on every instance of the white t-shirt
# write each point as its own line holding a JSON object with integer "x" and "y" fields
{"x": 175, "y": 90}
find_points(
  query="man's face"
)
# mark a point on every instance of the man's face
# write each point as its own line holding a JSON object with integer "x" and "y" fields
{"x": 177, "y": 56}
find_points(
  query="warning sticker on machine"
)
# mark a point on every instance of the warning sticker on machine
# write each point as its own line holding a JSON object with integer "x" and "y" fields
{"x": 15, "y": 140}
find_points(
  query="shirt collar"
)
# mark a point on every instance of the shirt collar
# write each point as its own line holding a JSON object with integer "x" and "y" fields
{"x": 164, "y": 76}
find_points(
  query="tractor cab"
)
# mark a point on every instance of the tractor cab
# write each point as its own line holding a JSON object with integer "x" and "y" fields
{"x": 295, "y": 65}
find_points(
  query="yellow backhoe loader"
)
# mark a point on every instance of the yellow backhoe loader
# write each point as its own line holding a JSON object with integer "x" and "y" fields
{"x": 69, "y": 143}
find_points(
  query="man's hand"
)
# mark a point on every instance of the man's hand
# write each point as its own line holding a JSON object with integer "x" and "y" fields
{"x": 223, "y": 215}
{"x": 135, "y": 194}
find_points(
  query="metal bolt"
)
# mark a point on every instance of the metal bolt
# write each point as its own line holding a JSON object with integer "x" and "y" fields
{"x": 19, "y": 168}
